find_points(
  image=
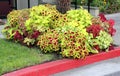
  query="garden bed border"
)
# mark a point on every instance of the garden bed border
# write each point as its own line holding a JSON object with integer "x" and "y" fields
{"x": 53, "y": 67}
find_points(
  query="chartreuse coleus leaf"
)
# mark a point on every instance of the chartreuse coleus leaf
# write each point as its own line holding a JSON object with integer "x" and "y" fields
{"x": 81, "y": 15}
{"x": 104, "y": 40}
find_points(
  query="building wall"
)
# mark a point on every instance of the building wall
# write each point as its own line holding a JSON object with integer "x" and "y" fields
{"x": 49, "y": 1}
{"x": 22, "y": 4}
{"x": 33, "y": 2}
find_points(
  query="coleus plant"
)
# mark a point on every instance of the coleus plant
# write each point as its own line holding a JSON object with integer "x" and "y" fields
{"x": 100, "y": 33}
{"x": 107, "y": 25}
{"x": 12, "y": 24}
{"x": 16, "y": 29}
{"x": 74, "y": 34}
{"x": 94, "y": 29}
{"x": 42, "y": 17}
{"x": 110, "y": 22}
{"x": 49, "y": 41}
{"x": 104, "y": 40}
{"x": 31, "y": 37}
{"x": 73, "y": 44}
{"x": 15, "y": 24}
{"x": 81, "y": 16}
{"x": 73, "y": 41}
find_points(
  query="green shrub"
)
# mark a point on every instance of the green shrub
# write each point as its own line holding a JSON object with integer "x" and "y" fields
{"x": 106, "y": 6}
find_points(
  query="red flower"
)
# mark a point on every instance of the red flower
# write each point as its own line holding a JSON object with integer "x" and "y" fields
{"x": 102, "y": 17}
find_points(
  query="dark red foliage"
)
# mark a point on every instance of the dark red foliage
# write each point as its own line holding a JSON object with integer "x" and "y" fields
{"x": 35, "y": 34}
{"x": 111, "y": 22}
{"x": 25, "y": 33}
{"x": 111, "y": 47}
{"x": 102, "y": 17}
{"x": 97, "y": 47}
{"x": 94, "y": 29}
{"x": 111, "y": 31}
{"x": 18, "y": 36}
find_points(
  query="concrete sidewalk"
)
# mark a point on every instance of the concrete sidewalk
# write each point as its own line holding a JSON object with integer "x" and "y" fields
{"x": 1, "y": 27}
{"x": 109, "y": 67}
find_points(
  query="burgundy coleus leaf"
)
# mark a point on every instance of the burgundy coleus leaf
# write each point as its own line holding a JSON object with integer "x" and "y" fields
{"x": 102, "y": 17}
{"x": 111, "y": 47}
{"x": 97, "y": 47}
{"x": 111, "y": 22}
{"x": 111, "y": 31}
{"x": 18, "y": 36}
{"x": 94, "y": 29}
{"x": 35, "y": 34}
{"x": 25, "y": 33}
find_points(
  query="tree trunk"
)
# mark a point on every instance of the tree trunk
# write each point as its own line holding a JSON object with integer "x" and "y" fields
{"x": 63, "y": 5}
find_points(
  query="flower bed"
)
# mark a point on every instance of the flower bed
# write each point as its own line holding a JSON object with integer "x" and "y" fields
{"x": 75, "y": 34}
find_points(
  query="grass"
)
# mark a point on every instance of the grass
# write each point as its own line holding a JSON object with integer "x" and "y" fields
{"x": 14, "y": 56}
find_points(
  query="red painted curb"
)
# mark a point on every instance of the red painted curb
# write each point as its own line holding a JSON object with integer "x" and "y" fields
{"x": 62, "y": 65}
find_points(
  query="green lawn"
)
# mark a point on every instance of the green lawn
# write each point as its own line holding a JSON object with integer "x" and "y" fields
{"x": 15, "y": 56}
